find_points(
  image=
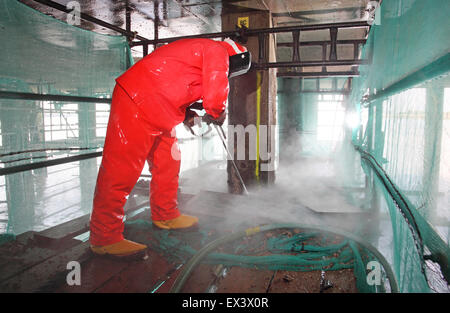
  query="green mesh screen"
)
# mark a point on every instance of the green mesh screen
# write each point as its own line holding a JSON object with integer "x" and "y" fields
{"x": 390, "y": 135}
{"x": 41, "y": 55}
{"x": 404, "y": 96}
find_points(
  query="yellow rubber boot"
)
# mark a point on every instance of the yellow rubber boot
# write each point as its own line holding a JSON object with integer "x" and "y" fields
{"x": 120, "y": 249}
{"x": 180, "y": 222}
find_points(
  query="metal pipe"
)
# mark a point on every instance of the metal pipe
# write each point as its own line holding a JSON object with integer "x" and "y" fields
{"x": 333, "y": 48}
{"x": 221, "y": 134}
{"x": 337, "y": 91}
{"x": 309, "y": 63}
{"x": 324, "y": 57}
{"x": 91, "y": 19}
{"x": 306, "y": 27}
{"x": 32, "y": 166}
{"x": 170, "y": 39}
{"x": 38, "y": 97}
{"x": 255, "y": 32}
{"x": 296, "y": 46}
{"x": 144, "y": 50}
{"x": 156, "y": 22}
{"x": 261, "y": 48}
{"x": 127, "y": 16}
{"x": 322, "y": 42}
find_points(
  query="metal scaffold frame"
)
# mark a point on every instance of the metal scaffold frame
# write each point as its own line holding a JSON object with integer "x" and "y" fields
{"x": 261, "y": 64}
{"x": 262, "y": 35}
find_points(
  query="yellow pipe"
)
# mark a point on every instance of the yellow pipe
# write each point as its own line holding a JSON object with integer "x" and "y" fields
{"x": 258, "y": 120}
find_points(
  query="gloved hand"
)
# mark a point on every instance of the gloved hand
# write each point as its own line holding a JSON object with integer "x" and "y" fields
{"x": 189, "y": 118}
{"x": 208, "y": 119}
{"x": 196, "y": 106}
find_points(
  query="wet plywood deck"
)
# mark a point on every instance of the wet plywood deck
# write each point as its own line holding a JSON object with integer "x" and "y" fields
{"x": 37, "y": 261}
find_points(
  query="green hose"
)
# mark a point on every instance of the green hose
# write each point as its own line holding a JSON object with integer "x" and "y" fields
{"x": 190, "y": 265}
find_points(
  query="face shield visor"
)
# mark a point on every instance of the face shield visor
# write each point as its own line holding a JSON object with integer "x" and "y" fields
{"x": 239, "y": 64}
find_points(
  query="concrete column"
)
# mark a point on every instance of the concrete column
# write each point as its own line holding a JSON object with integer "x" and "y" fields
{"x": 251, "y": 104}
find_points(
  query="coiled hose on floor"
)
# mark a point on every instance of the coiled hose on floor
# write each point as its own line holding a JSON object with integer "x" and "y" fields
{"x": 192, "y": 263}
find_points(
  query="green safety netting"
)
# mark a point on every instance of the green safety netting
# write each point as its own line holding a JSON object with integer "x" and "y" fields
{"x": 405, "y": 100}
{"x": 390, "y": 135}
{"x": 42, "y": 55}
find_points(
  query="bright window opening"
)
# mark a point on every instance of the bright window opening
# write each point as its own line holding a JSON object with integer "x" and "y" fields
{"x": 330, "y": 120}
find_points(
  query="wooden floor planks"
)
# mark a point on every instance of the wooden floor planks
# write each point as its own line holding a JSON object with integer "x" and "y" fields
{"x": 37, "y": 262}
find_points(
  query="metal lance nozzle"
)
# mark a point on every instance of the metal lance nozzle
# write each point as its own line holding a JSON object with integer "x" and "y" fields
{"x": 222, "y": 136}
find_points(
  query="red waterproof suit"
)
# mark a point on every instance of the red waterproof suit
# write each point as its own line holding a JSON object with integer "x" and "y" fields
{"x": 148, "y": 101}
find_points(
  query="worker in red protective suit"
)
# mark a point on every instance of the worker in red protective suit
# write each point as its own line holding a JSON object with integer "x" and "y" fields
{"x": 148, "y": 101}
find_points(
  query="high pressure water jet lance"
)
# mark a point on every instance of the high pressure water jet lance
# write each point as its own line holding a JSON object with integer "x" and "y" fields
{"x": 240, "y": 61}
{"x": 222, "y": 136}
{"x": 193, "y": 119}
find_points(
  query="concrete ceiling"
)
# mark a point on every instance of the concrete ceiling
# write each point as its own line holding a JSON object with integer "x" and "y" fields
{"x": 294, "y": 12}
{"x": 190, "y": 17}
